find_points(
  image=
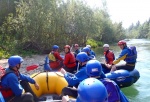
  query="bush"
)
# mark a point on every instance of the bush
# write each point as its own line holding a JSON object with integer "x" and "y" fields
{"x": 3, "y": 54}
{"x": 93, "y": 43}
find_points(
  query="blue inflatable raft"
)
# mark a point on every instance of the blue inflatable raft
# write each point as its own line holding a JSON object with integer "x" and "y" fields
{"x": 124, "y": 78}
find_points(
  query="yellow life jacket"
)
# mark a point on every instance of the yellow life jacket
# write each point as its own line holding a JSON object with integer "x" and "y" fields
{"x": 51, "y": 56}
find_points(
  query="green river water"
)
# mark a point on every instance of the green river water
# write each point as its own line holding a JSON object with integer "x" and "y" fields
{"x": 139, "y": 91}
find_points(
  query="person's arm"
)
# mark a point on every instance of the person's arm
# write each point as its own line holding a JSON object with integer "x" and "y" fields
{"x": 66, "y": 60}
{"x": 122, "y": 56}
{"x": 67, "y": 99}
{"x": 76, "y": 79}
{"x": 27, "y": 78}
{"x": 93, "y": 53}
{"x": 58, "y": 56}
{"x": 30, "y": 80}
{"x": 102, "y": 75}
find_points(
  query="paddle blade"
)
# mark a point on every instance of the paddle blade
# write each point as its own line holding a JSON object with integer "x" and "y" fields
{"x": 32, "y": 67}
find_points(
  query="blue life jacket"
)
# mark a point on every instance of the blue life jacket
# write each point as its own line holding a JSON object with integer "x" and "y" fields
{"x": 132, "y": 55}
{"x": 114, "y": 93}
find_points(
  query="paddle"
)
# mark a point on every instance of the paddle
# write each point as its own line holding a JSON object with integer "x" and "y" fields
{"x": 32, "y": 67}
{"x": 35, "y": 66}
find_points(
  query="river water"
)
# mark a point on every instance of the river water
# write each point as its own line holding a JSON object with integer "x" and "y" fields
{"x": 139, "y": 91}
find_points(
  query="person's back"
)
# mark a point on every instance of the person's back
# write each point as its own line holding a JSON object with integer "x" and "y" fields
{"x": 89, "y": 90}
{"x": 74, "y": 79}
{"x": 92, "y": 90}
{"x": 115, "y": 95}
{"x": 55, "y": 60}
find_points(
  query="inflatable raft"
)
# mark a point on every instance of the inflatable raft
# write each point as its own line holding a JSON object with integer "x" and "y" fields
{"x": 51, "y": 83}
{"x": 124, "y": 78}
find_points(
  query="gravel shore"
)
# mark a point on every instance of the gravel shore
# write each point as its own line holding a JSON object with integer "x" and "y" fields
{"x": 28, "y": 61}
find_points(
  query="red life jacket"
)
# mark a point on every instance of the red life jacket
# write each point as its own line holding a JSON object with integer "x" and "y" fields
{"x": 6, "y": 92}
{"x": 70, "y": 60}
{"x": 109, "y": 57}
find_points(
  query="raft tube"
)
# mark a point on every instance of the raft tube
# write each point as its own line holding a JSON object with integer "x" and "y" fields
{"x": 124, "y": 78}
{"x": 49, "y": 82}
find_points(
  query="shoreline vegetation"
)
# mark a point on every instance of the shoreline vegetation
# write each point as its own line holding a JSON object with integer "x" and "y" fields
{"x": 32, "y": 26}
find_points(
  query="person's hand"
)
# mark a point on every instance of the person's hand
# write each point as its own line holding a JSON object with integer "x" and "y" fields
{"x": 108, "y": 66}
{"x": 113, "y": 68}
{"x": 65, "y": 98}
{"x": 37, "y": 86}
{"x": 63, "y": 71}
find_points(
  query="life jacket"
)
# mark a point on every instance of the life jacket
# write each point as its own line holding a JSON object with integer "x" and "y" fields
{"x": 106, "y": 56}
{"x": 114, "y": 93}
{"x": 51, "y": 56}
{"x": 6, "y": 91}
{"x": 132, "y": 56}
{"x": 72, "y": 61}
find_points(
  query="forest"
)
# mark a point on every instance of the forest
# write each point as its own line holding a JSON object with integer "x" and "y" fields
{"x": 33, "y": 26}
{"x": 139, "y": 31}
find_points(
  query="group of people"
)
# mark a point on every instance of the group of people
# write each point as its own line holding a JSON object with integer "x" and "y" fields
{"x": 69, "y": 62}
{"x": 86, "y": 84}
{"x": 90, "y": 84}
{"x": 128, "y": 55}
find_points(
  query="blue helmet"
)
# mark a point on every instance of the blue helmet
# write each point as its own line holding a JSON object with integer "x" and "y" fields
{"x": 14, "y": 60}
{"x": 93, "y": 68}
{"x": 86, "y": 49}
{"x": 55, "y": 47}
{"x": 82, "y": 57}
{"x": 92, "y": 90}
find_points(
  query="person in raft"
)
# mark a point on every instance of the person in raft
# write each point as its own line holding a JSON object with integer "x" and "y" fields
{"x": 89, "y": 90}
{"x": 109, "y": 58}
{"x": 76, "y": 47}
{"x": 55, "y": 60}
{"x": 91, "y": 51}
{"x": 94, "y": 70}
{"x": 75, "y": 79}
{"x": 13, "y": 83}
{"x": 69, "y": 60}
{"x": 128, "y": 54}
{"x": 87, "y": 50}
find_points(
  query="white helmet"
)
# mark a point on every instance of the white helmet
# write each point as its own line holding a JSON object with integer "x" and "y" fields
{"x": 89, "y": 46}
{"x": 105, "y": 45}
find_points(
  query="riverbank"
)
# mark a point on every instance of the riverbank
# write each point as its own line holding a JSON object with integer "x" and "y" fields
{"x": 28, "y": 61}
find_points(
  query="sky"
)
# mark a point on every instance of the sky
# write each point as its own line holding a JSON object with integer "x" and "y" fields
{"x": 126, "y": 11}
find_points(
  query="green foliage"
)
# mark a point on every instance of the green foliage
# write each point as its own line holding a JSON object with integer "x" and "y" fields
{"x": 93, "y": 43}
{"x": 139, "y": 30}
{"x": 4, "y": 54}
{"x": 36, "y": 25}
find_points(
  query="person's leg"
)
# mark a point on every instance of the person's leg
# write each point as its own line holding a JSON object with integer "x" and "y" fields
{"x": 70, "y": 92}
{"x": 126, "y": 67}
{"x": 70, "y": 70}
{"x": 26, "y": 97}
{"x": 27, "y": 88}
{"x": 104, "y": 68}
